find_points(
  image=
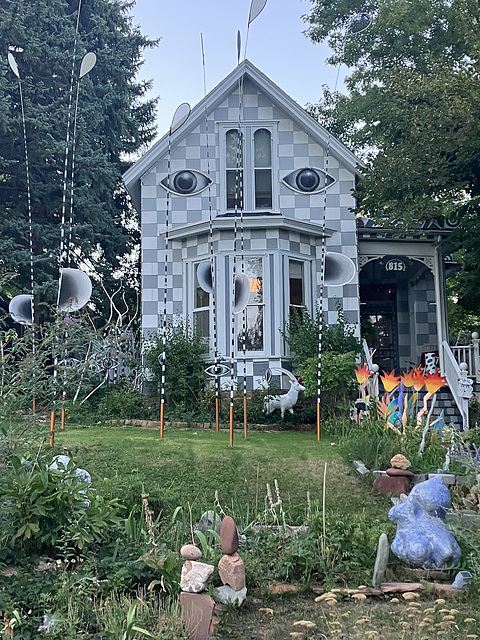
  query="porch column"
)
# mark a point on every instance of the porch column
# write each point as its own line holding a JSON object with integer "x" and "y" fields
{"x": 441, "y": 312}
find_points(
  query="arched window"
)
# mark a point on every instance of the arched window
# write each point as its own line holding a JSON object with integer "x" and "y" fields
{"x": 262, "y": 154}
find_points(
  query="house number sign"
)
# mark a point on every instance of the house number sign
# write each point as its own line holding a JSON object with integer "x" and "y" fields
{"x": 395, "y": 265}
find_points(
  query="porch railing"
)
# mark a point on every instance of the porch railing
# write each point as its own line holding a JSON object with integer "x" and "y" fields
{"x": 470, "y": 354}
{"x": 454, "y": 374}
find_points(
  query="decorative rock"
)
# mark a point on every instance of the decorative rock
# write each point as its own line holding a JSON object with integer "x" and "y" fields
{"x": 399, "y": 472}
{"x": 195, "y": 576}
{"x": 197, "y": 612}
{"x": 209, "y": 520}
{"x": 422, "y": 539}
{"x": 360, "y": 468}
{"x": 190, "y": 552}
{"x": 232, "y": 571}
{"x": 400, "y": 462}
{"x": 229, "y": 536}
{"x": 277, "y": 589}
{"x": 401, "y": 587}
{"x": 383, "y": 551}
{"x": 462, "y": 579}
{"x": 390, "y": 484}
{"x": 226, "y": 595}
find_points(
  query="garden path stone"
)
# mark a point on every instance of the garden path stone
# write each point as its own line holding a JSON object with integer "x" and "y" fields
{"x": 401, "y": 587}
{"x": 383, "y": 551}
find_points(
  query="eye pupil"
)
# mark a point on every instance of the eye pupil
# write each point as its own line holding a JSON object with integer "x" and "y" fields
{"x": 307, "y": 180}
{"x": 185, "y": 182}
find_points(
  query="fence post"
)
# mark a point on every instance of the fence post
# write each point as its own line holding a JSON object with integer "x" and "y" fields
{"x": 476, "y": 355}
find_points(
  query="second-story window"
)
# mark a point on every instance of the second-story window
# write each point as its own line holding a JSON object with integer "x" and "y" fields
{"x": 248, "y": 167}
{"x": 262, "y": 154}
{"x": 234, "y": 166}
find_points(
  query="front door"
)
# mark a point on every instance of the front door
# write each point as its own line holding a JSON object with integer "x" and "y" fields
{"x": 378, "y": 314}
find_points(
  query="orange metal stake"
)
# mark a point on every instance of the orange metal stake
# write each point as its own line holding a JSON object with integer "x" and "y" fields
{"x": 52, "y": 427}
{"x": 318, "y": 422}
{"x": 161, "y": 419}
{"x": 244, "y": 416}
{"x": 217, "y": 414}
{"x": 231, "y": 426}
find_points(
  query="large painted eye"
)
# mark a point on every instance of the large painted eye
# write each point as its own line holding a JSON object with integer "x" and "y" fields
{"x": 308, "y": 180}
{"x": 186, "y": 182}
{"x": 218, "y": 370}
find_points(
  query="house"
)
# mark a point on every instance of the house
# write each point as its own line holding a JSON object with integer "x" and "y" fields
{"x": 215, "y": 204}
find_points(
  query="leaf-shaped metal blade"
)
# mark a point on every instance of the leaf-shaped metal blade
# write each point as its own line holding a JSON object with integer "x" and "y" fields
{"x": 13, "y": 65}
{"x": 256, "y": 8}
{"x": 179, "y": 117}
{"x": 88, "y": 62}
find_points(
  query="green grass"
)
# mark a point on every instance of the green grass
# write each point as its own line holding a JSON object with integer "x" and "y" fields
{"x": 189, "y": 466}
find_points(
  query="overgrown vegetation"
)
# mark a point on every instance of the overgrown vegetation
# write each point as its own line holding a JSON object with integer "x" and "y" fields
{"x": 339, "y": 350}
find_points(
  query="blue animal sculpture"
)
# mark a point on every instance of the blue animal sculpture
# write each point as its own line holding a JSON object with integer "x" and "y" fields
{"x": 423, "y": 539}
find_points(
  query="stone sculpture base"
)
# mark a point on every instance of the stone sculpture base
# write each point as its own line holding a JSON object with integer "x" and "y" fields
{"x": 197, "y": 613}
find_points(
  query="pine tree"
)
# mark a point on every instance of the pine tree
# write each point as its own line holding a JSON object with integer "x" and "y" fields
{"x": 114, "y": 122}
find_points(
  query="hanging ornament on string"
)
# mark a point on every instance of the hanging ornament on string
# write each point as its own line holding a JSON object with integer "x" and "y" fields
{"x": 88, "y": 62}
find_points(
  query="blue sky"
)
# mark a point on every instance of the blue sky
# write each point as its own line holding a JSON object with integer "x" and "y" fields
{"x": 276, "y": 45}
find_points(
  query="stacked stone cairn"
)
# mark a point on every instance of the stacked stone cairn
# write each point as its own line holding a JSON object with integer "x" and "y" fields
{"x": 231, "y": 567}
{"x": 197, "y": 607}
{"x": 398, "y": 478}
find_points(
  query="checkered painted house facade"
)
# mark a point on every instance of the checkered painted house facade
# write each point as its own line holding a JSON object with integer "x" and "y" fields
{"x": 290, "y": 231}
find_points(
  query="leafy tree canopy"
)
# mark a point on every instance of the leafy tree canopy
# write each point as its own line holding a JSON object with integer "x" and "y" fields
{"x": 412, "y": 112}
{"x": 114, "y": 121}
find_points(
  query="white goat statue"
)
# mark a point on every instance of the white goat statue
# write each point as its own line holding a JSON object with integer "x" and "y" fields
{"x": 288, "y": 400}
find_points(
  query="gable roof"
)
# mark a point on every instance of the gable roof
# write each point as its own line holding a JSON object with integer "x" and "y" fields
{"x": 213, "y": 99}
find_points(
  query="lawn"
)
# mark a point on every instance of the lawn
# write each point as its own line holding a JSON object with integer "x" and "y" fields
{"x": 189, "y": 472}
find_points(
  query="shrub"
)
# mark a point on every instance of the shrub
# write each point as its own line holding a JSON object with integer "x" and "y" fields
{"x": 184, "y": 360}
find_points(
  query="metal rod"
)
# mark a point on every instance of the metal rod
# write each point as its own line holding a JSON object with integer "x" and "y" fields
{"x": 52, "y": 427}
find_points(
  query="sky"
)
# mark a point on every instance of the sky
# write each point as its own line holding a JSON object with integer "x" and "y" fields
{"x": 276, "y": 45}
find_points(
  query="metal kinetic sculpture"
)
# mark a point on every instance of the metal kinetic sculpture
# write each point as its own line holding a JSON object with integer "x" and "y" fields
{"x": 335, "y": 268}
{"x": 179, "y": 117}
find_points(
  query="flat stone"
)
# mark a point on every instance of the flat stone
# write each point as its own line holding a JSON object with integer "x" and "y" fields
{"x": 229, "y": 536}
{"x": 401, "y": 587}
{"x": 447, "y": 590}
{"x": 232, "y": 571}
{"x": 399, "y": 472}
{"x": 392, "y": 484}
{"x": 190, "y": 552}
{"x": 226, "y": 595}
{"x": 277, "y": 589}
{"x": 195, "y": 576}
{"x": 383, "y": 551}
{"x": 378, "y": 473}
{"x": 360, "y": 468}
{"x": 197, "y": 612}
{"x": 419, "y": 477}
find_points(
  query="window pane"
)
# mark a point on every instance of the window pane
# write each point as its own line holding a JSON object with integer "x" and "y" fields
{"x": 254, "y": 271}
{"x": 263, "y": 188}
{"x": 234, "y": 150}
{"x": 234, "y": 189}
{"x": 296, "y": 283}
{"x": 263, "y": 148}
{"x": 201, "y": 323}
{"x": 254, "y": 330}
{"x": 201, "y": 296}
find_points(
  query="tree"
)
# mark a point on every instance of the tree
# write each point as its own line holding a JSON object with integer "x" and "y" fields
{"x": 412, "y": 112}
{"x": 114, "y": 122}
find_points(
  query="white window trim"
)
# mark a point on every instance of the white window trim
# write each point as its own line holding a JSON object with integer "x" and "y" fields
{"x": 248, "y": 128}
